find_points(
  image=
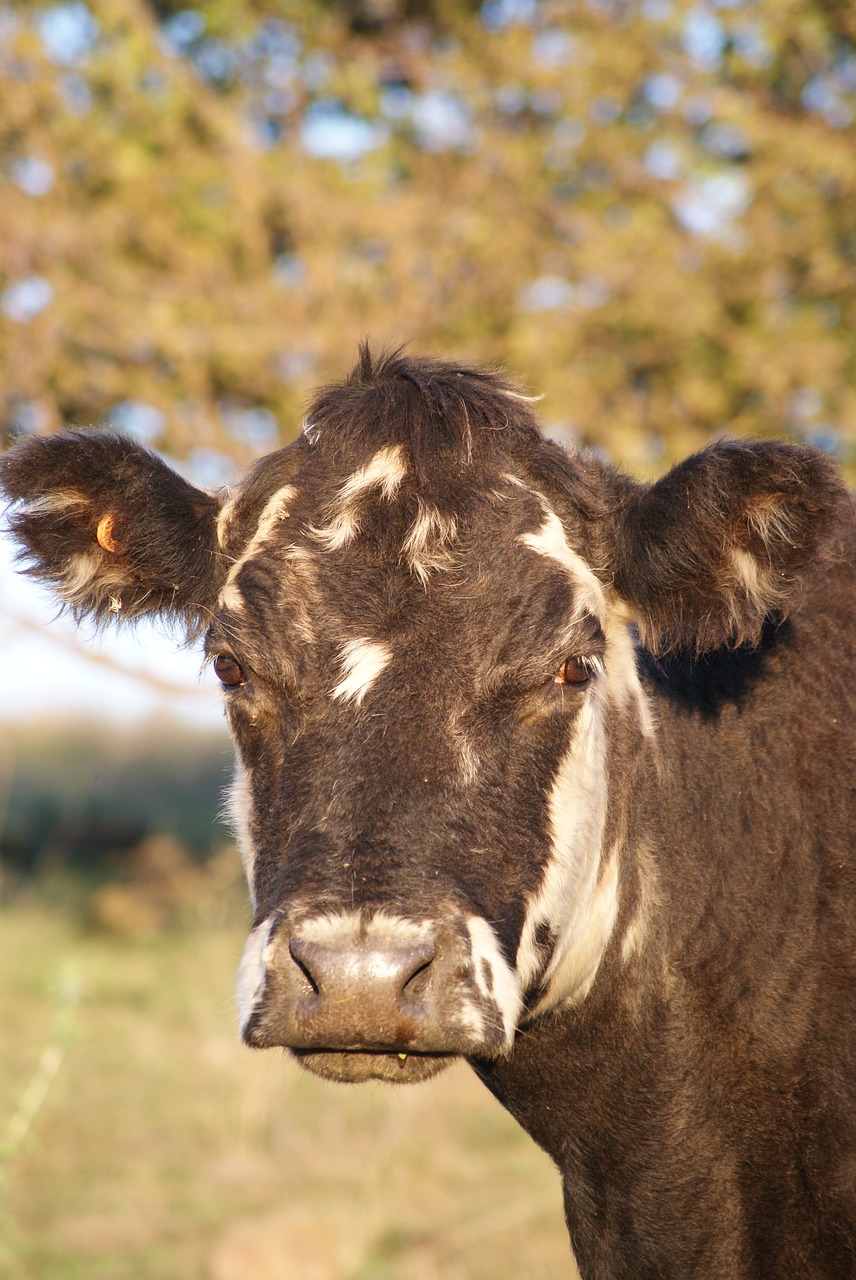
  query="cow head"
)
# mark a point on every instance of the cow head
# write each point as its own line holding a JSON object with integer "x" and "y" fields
{"x": 424, "y": 618}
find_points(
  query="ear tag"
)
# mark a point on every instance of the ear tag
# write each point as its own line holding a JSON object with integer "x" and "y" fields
{"x": 104, "y": 534}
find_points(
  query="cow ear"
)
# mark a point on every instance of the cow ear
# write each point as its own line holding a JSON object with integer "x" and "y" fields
{"x": 719, "y": 544}
{"x": 116, "y": 532}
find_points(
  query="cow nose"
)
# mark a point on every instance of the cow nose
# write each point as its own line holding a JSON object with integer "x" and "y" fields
{"x": 376, "y": 984}
{"x": 349, "y": 992}
{"x": 392, "y": 979}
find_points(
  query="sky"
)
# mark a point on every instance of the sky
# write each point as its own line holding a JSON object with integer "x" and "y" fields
{"x": 48, "y": 672}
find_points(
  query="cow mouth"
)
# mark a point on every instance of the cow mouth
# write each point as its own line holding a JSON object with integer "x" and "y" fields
{"x": 354, "y": 1066}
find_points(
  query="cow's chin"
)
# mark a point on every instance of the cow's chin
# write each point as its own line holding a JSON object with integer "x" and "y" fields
{"x": 354, "y": 1067}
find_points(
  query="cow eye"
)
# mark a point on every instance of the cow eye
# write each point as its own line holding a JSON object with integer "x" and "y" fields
{"x": 575, "y": 671}
{"x": 228, "y": 671}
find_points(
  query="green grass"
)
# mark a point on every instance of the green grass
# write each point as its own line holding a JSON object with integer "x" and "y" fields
{"x": 140, "y": 1141}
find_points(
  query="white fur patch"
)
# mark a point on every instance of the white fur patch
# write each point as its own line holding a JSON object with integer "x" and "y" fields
{"x": 239, "y": 808}
{"x": 340, "y": 532}
{"x": 578, "y": 898}
{"x": 748, "y": 576}
{"x": 303, "y": 567}
{"x": 469, "y": 760}
{"x": 504, "y": 986}
{"x": 426, "y": 545}
{"x": 275, "y": 510}
{"x": 385, "y": 472}
{"x": 550, "y": 541}
{"x": 343, "y": 928}
{"x": 625, "y": 687}
{"x": 361, "y": 661}
{"x": 224, "y": 519}
{"x": 61, "y": 500}
{"x": 471, "y": 1018}
{"x": 575, "y": 964}
{"x": 90, "y": 579}
{"x": 80, "y": 571}
{"x": 252, "y": 970}
{"x": 230, "y": 597}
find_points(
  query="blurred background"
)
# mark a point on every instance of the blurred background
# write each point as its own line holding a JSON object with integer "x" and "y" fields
{"x": 644, "y": 209}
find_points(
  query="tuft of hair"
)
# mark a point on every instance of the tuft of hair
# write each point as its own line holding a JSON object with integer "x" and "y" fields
{"x": 718, "y": 545}
{"x": 431, "y": 407}
{"x": 112, "y": 529}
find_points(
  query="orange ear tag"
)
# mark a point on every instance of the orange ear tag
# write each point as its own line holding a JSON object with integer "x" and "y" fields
{"x": 104, "y": 533}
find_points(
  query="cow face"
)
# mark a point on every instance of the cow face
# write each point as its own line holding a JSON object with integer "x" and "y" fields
{"x": 420, "y": 696}
{"x": 421, "y": 615}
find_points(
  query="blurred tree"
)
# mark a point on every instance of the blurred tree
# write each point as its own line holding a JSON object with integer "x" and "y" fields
{"x": 646, "y": 209}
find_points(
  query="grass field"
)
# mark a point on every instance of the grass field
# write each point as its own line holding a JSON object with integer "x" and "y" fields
{"x": 140, "y": 1141}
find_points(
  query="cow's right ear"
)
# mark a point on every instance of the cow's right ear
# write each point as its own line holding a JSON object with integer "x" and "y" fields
{"x": 723, "y": 541}
{"x": 116, "y": 532}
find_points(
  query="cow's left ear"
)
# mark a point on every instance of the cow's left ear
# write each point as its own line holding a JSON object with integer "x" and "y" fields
{"x": 116, "y": 532}
{"x": 717, "y": 545}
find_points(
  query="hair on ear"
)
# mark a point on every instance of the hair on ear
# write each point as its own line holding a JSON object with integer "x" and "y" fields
{"x": 115, "y": 531}
{"x": 721, "y": 542}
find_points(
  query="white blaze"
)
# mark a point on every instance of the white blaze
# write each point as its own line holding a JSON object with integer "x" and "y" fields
{"x": 361, "y": 662}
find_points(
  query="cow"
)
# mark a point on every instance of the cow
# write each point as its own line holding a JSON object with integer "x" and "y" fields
{"x": 537, "y": 766}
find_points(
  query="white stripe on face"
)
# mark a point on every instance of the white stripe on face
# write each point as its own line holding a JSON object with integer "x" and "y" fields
{"x": 275, "y": 510}
{"x": 385, "y": 471}
{"x": 574, "y": 966}
{"x": 550, "y": 541}
{"x": 252, "y": 971}
{"x": 224, "y": 519}
{"x": 577, "y": 901}
{"x": 362, "y": 661}
{"x": 496, "y": 980}
{"x": 625, "y": 687}
{"x": 614, "y": 615}
{"x": 239, "y": 809}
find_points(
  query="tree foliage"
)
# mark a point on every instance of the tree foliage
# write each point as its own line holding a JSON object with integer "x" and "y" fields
{"x": 645, "y": 209}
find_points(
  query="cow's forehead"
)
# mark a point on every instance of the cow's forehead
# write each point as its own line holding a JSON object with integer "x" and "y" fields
{"x": 367, "y": 554}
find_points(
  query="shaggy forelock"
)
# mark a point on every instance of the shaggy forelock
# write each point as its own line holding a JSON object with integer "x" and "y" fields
{"x": 447, "y": 431}
{"x": 433, "y": 408}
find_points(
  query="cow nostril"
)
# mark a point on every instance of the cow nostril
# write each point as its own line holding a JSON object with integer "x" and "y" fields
{"x": 416, "y": 985}
{"x": 311, "y": 984}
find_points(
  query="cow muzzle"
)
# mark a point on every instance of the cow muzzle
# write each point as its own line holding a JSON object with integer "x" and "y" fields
{"x": 357, "y": 997}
